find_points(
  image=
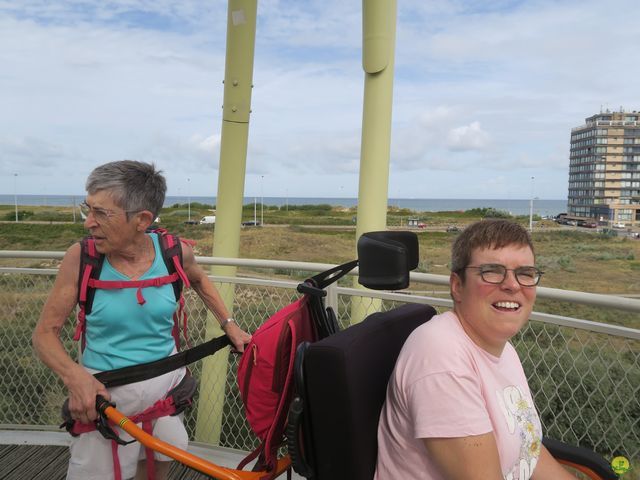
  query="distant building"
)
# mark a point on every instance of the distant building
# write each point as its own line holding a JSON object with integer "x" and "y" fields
{"x": 415, "y": 223}
{"x": 604, "y": 169}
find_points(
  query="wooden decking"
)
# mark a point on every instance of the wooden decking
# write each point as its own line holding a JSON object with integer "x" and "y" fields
{"x": 32, "y": 454}
{"x": 49, "y": 462}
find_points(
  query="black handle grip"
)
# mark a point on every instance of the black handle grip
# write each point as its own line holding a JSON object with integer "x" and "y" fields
{"x": 293, "y": 439}
{"x": 102, "y": 404}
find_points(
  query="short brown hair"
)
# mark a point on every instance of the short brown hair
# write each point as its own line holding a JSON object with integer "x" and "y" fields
{"x": 491, "y": 234}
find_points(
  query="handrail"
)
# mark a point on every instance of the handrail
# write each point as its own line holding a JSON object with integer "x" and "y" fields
{"x": 576, "y": 323}
{"x": 584, "y": 298}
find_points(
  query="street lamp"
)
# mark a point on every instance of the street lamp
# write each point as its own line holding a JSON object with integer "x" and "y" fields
{"x": 15, "y": 193}
{"x": 255, "y": 209}
{"x": 531, "y": 206}
{"x": 189, "y": 198}
{"x": 261, "y": 201}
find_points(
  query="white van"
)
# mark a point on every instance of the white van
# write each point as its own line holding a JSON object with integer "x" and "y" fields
{"x": 209, "y": 219}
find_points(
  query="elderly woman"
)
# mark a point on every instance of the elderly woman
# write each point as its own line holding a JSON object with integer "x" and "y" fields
{"x": 458, "y": 405}
{"x": 123, "y": 200}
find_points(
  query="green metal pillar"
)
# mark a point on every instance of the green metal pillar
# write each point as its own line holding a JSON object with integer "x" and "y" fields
{"x": 379, "y": 32}
{"x": 241, "y": 34}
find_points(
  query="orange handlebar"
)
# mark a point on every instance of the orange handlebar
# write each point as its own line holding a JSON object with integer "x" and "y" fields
{"x": 197, "y": 463}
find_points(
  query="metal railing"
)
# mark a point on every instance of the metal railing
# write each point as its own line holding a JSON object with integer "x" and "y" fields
{"x": 585, "y": 375}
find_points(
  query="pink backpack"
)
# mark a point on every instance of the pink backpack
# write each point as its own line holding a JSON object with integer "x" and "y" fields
{"x": 265, "y": 378}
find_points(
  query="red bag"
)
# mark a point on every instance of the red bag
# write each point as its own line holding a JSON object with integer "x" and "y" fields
{"x": 265, "y": 377}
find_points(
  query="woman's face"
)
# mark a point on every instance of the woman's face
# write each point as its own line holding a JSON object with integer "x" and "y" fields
{"x": 108, "y": 223}
{"x": 493, "y": 313}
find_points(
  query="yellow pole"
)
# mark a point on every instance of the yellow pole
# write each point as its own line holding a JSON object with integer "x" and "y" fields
{"x": 379, "y": 31}
{"x": 241, "y": 34}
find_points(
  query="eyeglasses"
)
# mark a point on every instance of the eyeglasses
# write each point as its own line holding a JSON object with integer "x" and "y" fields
{"x": 496, "y": 273}
{"x": 100, "y": 214}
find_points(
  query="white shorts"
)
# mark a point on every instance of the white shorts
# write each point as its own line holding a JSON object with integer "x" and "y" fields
{"x": 91, "y": 456}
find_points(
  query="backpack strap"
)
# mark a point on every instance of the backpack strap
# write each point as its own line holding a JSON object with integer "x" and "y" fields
{"x": 118, "y": 284}
{"x": 171, "y": 248}
{"x": 144, "y": 371}
{"x": 90, "y": 266}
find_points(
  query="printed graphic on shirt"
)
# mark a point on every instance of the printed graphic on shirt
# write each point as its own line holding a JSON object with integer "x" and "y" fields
{"x": 521, "y": 420}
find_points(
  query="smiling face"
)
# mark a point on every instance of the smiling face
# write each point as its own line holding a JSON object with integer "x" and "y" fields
{"x": 493, "y": 313}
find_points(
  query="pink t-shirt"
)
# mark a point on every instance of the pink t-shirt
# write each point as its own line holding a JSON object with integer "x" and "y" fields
{"x": 444, "y": 385}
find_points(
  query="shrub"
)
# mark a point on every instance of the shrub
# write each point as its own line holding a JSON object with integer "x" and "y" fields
{"x": 22, "y": 215}
{"x": 566, "y": 263}
{"x": 487, "y": 212}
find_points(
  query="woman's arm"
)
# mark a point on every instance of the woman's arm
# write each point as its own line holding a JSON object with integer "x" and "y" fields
{"x": 466, "y": 458}
{"x": 82, "y": 386}
{"x": 211, "y": 298}
{"x": 548, "y": 468}
{"x": 476, "y": 458}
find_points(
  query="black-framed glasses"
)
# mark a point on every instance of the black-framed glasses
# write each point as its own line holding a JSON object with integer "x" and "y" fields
{"x": 100, "y": 214}
{"x": 496, "y": 273}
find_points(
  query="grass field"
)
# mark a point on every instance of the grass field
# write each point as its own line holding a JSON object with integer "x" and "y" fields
{"x": 572, "y": 259}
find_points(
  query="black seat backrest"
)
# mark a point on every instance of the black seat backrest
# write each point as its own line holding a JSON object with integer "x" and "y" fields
{"x": 345, "y": 382}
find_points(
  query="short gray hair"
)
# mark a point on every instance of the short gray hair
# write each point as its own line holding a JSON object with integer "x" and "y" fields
{"x": 134, "y": 186}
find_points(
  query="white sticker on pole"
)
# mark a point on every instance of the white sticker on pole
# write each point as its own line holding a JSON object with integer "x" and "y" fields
{"x": 237, "y": 17}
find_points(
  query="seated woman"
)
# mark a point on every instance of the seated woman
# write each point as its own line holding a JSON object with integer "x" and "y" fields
{"x": 458, "y": 405}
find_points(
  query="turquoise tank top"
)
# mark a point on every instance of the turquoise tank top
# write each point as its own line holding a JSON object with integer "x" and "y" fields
{"x": 120, "y": 332}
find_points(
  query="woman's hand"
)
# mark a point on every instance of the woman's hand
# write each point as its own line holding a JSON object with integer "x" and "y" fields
{"x": 83, "y": 389}
{"x": 238, "y": 337}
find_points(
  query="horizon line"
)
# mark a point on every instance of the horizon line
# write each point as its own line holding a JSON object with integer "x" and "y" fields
{"x": 290, "y": 196}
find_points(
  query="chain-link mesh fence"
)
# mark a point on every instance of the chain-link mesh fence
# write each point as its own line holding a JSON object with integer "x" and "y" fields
{"x": 586, "y": 385}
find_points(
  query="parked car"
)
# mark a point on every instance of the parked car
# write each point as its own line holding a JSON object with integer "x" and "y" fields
{"x": 589, "y": 225}
{"x": 251, "y": 223}
{"x": 452, "y": 228}
{"x": 619, "y": 225}
{"x": 192, "y": 222}
{"x": 208, "y": 220}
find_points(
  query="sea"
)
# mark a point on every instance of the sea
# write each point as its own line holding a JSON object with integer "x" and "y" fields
{"x": 542, "y": 207}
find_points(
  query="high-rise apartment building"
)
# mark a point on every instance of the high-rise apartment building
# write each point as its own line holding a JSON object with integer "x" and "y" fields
{"x": 604, "y": 169}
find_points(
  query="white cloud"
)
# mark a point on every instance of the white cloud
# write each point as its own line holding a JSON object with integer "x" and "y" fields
{"x": 480, "y": 88}
{"x": 17, "y": 150}
{"x": 467, "y": 137}
{"x": 210, "y": 145}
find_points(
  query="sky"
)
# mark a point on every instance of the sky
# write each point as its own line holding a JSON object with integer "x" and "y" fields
{"x": 485, "y": 93}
